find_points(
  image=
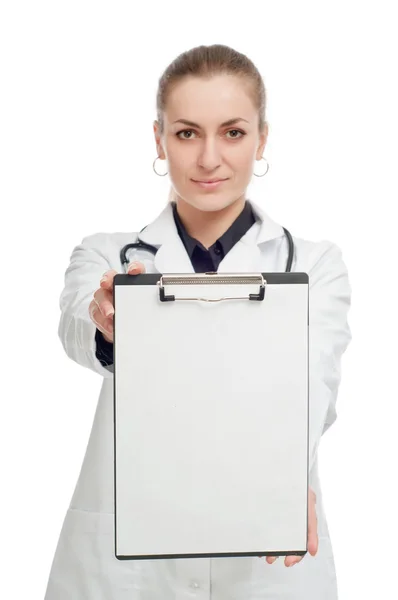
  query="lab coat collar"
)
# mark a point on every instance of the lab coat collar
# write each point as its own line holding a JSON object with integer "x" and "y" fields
{"x": 173, "y": 258}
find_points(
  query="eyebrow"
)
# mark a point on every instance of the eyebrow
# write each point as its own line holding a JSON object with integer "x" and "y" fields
{"x": 225, "y": 124}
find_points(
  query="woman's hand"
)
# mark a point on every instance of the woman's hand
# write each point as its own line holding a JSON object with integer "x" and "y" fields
{"x": 290, "y": 559}
{"x": 101, "y": 308}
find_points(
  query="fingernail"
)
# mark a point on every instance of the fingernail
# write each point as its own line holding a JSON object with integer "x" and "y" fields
{"x": 133, "y": 265}
{"x": 103, "y": 279}
{"x": 110, "y": 311}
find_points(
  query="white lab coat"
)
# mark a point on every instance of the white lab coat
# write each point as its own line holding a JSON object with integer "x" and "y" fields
{"x": 84, "y": 565}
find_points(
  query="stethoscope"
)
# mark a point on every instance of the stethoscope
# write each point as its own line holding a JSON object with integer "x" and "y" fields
{"x": 140, "y": 245}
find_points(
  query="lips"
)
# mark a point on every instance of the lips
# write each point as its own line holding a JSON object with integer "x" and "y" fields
{"x": 208, "y": 180}
{"x": 214, "y": 185}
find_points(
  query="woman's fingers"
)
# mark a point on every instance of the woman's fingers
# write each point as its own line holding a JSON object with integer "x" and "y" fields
{"x": 104, "y": 324}
{"x": 292, "y": 560}
{"x": 104, "y": 300}
{"x": 135, "y": 268}
{"x": 106, "y": 282}
{"x": 312, "y": 544}
{"x": 101, "y": 308}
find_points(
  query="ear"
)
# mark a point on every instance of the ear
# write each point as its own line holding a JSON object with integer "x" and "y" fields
{"x": 263, "y": 141}
{"x": 158, "y": 140}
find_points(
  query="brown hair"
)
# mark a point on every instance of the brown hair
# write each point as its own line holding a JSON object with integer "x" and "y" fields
{"x": 207, "y": 61}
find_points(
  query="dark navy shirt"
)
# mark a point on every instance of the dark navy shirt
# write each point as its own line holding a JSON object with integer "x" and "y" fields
{"x": 203, "y": 261}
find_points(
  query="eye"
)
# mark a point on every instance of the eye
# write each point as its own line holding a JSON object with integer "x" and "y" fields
{"x": 236, "y": 131}
{"x": 184, "y": 131}
{"x": 181, "y": 133}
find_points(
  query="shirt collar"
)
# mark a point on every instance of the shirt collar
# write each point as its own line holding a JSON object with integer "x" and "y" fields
{"x": 233, "y": 234}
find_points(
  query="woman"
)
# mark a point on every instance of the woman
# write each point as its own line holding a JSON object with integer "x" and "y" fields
{"x": 211, "y": 126}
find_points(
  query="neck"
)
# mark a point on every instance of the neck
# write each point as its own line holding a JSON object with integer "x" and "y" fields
{"x": 208, "y": 226}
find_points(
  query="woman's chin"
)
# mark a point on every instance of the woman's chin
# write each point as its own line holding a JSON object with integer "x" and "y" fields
{"x": 210, "y": 202}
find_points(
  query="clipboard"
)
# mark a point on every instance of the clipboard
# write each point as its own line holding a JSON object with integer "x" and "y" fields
{"x": 211, "y": 414}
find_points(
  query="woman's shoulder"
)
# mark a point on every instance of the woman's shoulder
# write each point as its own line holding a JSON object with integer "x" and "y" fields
{"x": 103, "y": 246}
{"x": 321, "y": 259}
{"x": 106, "y": 242}
{"x": 103, "y": 239}
{"x": 314, "y": 249}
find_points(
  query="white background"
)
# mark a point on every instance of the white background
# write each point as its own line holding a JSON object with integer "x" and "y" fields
{"x": 78, "y": 86}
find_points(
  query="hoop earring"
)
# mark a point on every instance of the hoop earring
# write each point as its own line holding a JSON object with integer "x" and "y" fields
{"x": 262, "y": 158}
{"x": 153, "y": 166}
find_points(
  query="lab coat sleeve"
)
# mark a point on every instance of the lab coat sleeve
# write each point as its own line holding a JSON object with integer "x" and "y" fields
{"x": 329, "y": 336}
{"x": 76, "y": 330}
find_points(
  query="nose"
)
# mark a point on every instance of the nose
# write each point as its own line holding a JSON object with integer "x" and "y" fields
{"x": 209, "y": 156}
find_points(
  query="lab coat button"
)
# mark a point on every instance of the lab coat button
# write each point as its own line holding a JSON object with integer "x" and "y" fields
{"x": 195, "y": 585}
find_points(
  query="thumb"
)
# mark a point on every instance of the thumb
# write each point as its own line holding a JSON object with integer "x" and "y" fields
{"x": 135, "y": 268}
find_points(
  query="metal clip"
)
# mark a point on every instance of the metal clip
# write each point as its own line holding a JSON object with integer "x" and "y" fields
{"x": 213, "y": 278}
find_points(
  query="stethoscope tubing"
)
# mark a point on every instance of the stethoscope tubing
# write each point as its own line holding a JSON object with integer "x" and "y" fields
{"x": 140, "y": 245}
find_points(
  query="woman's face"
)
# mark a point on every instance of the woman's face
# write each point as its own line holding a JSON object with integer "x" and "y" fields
{"x": 199, "y": 144}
